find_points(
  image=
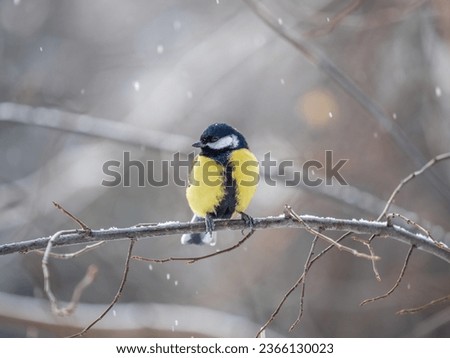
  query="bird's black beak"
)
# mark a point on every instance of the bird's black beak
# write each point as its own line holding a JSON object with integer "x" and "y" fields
{"x": 197, "y": 145}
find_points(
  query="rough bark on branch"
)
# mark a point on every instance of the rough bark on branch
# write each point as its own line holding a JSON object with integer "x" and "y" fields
{"x": 382, "y": 229}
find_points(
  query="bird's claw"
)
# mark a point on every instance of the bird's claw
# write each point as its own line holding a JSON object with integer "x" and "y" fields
{"x": 248, "y": 221}
{"x": 209, "y": 221}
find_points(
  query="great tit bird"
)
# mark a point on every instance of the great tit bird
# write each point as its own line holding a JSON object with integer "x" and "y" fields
{"x": 222, "y": 181}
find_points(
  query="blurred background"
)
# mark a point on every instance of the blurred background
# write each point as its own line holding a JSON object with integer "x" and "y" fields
{"x": 82, "y": 82}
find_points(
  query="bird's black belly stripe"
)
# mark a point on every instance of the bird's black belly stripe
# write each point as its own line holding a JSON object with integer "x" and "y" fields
{"x": 227, "y": 205}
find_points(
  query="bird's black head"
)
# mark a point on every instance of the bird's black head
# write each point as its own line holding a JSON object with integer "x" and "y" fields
{"x": 220, "y": 138}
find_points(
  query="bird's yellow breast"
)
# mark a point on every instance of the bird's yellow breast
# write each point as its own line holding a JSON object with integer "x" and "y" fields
{"x": 206, "y": 189}
{"x": 206, "y": 185}
{"x": 246, "y": 174}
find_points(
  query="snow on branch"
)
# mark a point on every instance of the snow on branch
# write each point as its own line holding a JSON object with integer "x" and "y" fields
{"x": 382, "y": 229}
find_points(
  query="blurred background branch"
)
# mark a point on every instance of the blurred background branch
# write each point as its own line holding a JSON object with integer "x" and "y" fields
{"x": 127, "y": 320}
{"x": 322, "y": 62}
{"x": 102, "y": 128}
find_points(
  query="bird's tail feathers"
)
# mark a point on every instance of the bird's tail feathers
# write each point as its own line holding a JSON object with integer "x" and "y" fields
{"x": 199, "y": 238}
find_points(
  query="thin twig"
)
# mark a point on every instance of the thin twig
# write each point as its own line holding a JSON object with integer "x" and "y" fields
{"x": 402, "y": 273}
{"x": 46, "y": 272}
{"x": 89, "y": 277}
{"x": 374, "y": 264}
{"x": 118, "y": 293}
{"x": 354, "y": 252}
{"x": 368, "y": 243}
{"x": 71, "y": 255}
{"x": 390, "y": 216}
{"x": 421, "y": 308}
{"x": 302, "y": 289}
{"x": 280, "y": 304}
{"x": 299, "y": 280}
{"x": 85, "y": 282}
{"x": 411, "y": 176}
{"x": 191, "y": 260}
{"x": 73, "y": 217}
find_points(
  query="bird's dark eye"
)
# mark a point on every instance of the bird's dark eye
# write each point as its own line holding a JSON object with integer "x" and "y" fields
{"x": 213, "y": 139}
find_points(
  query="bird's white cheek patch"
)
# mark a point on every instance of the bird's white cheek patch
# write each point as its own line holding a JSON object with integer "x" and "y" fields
{"x": 230, "y": 141}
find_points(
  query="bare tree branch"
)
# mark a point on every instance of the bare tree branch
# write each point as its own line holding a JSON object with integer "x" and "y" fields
{"x": 73, "y": 217}
{"x": 302, "y": 289}
{"x": 424, "y": 168}
{"x": 191, "y": 260}
{"x": 296, "y": 284}
{"x": 71, "y": 255}
{"x": 425, "y": 306}
{"x": 118, "y": 293}
{"x": 291, "y": 213}
{"x": 372, "y": 252}
{"x": 82, "y": 285}
{"x": 176, "y": 228}
{"x": 402, "y": 273}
